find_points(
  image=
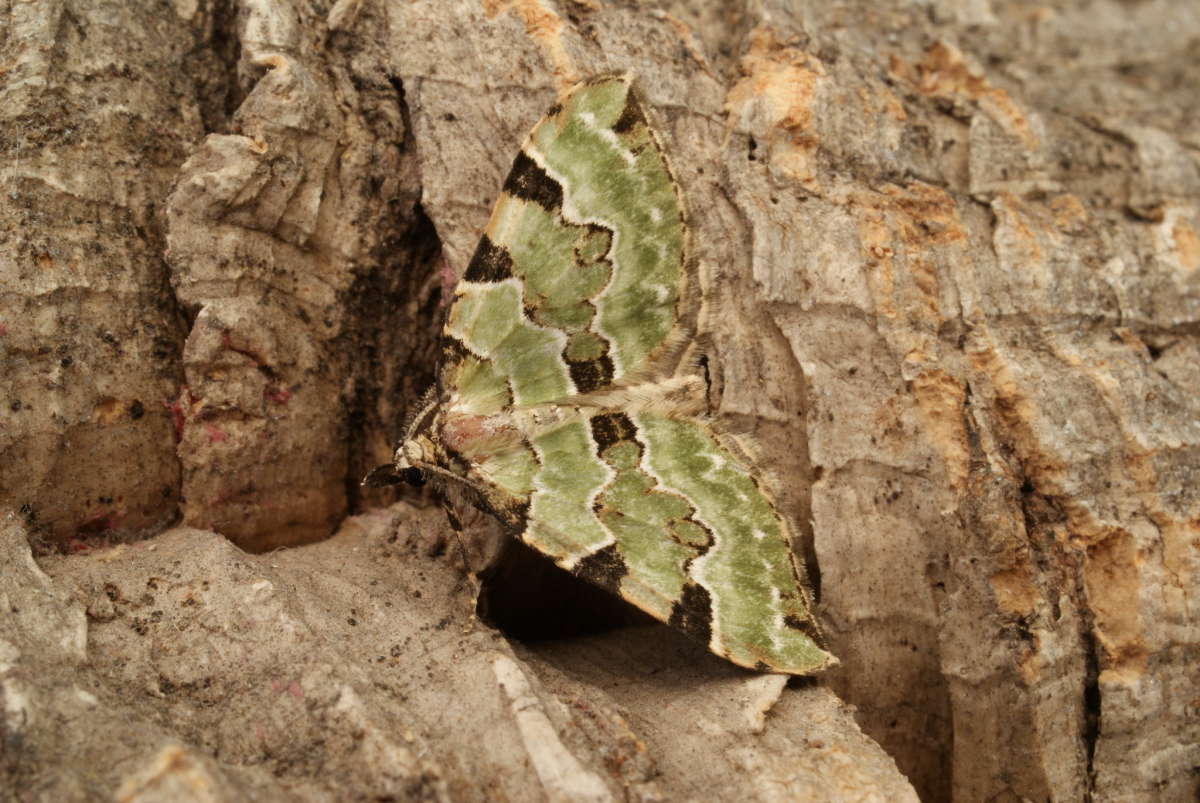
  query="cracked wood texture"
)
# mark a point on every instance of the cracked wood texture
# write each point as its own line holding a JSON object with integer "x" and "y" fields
{"x": 952, "y": 261}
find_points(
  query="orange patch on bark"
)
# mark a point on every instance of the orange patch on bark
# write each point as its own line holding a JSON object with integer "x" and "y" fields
{"x": 1069, "y": 213}
{"x": 1187, "y": 245}
{"x": 940, "y": 398}
{"x": 1015, "y": 591}
{"x": 782, "y": 83}
{"x": 545, "y": 28}
{"x": 1114, "y": 583}
{"x": 1013, "y": 220}
{"x": 945, "y": 73}
{"x": 107, "y": 410}
{"x": 922, "y": 220}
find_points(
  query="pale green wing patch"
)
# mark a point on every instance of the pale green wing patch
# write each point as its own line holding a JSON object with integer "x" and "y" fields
{"x": 577, "y": 283}
{"x": 561, "y": 523}
{"x": 602, "y": 149}
{"x": 490, "y": 323}
{"x": 512, "y": 469}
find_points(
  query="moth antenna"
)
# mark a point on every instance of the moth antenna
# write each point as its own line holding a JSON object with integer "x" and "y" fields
{"x": 426, "y": 405}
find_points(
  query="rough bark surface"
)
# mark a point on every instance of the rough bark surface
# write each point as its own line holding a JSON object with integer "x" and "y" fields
{"x": 953, "y": 251}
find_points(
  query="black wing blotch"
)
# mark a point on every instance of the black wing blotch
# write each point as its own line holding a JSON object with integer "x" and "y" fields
{"x": 609, "y": 429}
{"x": 604, "y": 567}
{"x": 631, "y": 117}
{"x": 529, "y": 182}
{"x": 692, "y": 613}
{"x": 590, "y": 375}
{"x": 491, "y": 263}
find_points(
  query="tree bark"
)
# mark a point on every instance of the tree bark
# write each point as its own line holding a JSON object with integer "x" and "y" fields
{"x": 951, "y": 258}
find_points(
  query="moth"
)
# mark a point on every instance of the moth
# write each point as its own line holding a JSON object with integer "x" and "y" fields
{"x": 561, "y": 402}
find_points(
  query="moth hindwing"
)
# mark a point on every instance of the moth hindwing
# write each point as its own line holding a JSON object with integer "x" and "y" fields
{"x": 558, "y": 401}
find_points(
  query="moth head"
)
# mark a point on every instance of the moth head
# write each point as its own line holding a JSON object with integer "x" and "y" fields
{"x": 413, "y": 476}
{"x": 407, "y": 466}
{"x": 391, "y": 474}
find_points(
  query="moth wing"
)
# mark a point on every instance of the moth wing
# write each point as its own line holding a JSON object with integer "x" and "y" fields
{"x": 578, "y": 283}
{"x": 657, "y": 510}
{"x": 761, "y": 612}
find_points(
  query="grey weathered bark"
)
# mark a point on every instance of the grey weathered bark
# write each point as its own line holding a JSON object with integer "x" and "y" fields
{"x": 953, "y": 254}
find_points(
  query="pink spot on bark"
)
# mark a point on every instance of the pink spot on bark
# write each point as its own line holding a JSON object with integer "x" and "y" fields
{"x": 94, "y": 532}
{"x": 3, "y": 329}
{"x": 99, "y": 523}
{"x": 215, "y": 435}
{"x": 277, "y": 395}
{"x": 295, "y": 690}
{"x": 177, "y": 408}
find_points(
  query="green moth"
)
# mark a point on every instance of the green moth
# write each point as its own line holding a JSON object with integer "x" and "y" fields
{"x": 560, "y": 406}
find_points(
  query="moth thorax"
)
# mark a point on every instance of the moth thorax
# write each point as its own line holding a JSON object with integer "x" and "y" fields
{"x": 413, "y": 452}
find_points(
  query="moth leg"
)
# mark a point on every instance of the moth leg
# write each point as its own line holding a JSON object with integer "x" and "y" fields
{"x": 456, "y": 525}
